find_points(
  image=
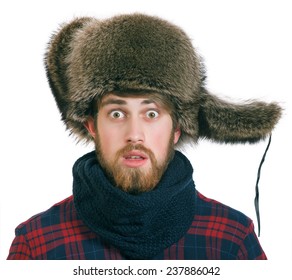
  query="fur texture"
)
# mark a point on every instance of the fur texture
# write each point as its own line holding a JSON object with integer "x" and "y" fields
{"x": 87, "y": 58}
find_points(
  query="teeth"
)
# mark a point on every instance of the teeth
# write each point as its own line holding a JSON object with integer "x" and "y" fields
{"x": 135, "y": 157}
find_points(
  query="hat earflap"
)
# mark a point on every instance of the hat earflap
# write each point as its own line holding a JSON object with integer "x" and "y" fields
{"x": 227, "y": 122}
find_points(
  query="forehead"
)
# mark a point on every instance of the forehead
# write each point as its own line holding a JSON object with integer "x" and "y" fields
{"x": 127, "y": 99}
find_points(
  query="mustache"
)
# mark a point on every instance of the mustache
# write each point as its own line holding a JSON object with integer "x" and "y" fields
{"x": 136, "y": 147}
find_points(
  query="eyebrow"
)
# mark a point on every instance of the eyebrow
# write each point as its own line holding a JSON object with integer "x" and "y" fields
{"x": 118, "y": 101}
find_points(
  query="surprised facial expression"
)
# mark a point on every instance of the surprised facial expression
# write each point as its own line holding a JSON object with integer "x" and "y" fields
{"x": 134, "y": 139}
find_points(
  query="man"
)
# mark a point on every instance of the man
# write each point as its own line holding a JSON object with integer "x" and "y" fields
{"x": 134, "y": 85}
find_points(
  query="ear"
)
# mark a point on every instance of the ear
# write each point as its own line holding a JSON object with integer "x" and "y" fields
{"x": 90, "y": 126}
{"x": 177, "y": 134}
{"x": 226, "y": 122}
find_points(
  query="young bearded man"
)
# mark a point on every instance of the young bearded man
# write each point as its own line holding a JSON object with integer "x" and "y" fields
{"x": 134, "y": 85}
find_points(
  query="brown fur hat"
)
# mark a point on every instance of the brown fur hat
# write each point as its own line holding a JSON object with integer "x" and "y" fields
{"x": 87, "y": 58}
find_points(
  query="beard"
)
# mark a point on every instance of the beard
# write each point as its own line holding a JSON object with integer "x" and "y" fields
{"x": 134, "y": 180}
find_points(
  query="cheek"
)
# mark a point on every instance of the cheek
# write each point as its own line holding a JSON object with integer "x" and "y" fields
{"x": 159, "y": 140}
{"x": 108, "y": 141}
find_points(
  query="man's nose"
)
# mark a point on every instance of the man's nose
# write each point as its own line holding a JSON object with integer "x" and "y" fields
{"x": 135, "y": 131}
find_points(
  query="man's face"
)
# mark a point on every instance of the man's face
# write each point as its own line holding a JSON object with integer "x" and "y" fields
{"x": 134, "y": 138}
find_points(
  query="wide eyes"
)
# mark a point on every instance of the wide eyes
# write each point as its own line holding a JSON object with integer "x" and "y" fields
{"x": 118, "y": 114}
{"x": 151, "y": 114}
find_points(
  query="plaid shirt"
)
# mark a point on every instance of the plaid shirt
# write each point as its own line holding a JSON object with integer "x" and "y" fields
{"x": 217, "y": 232}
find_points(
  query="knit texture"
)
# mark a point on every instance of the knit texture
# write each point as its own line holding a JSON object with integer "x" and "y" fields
{"x": 140, "y": 226}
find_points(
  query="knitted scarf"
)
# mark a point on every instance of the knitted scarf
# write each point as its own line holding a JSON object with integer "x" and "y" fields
{"x": 140, "y": 226}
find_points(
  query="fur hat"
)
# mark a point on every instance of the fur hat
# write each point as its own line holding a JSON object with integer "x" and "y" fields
{"x": 87, "y": 58}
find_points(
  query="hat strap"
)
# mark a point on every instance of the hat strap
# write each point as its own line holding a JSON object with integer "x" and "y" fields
{"x": 256, "y": 199}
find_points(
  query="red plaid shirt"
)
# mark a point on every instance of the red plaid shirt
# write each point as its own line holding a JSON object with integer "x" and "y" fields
{"x": 217, "y": 232}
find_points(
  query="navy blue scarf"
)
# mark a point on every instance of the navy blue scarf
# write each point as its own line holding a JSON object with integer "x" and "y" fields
{"x": 140, "y": 226}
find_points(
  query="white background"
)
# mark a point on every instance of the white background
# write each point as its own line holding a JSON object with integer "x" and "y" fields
{"x": 246, "y": 46}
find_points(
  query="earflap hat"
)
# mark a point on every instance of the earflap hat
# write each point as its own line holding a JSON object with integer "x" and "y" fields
{"x": 87, "y": 58}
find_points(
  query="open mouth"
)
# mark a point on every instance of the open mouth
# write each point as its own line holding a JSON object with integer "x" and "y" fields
{"x": 135, "y": 159}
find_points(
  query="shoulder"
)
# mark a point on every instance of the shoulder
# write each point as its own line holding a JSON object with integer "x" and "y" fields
{"x": 217, "y": 211}
{"x": 225, "y": 232}
{"x": 57, "y": 214}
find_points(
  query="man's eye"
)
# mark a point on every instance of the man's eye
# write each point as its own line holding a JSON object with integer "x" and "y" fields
{"x": 152, "y": 114}
{"x": 117, "y": 114}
